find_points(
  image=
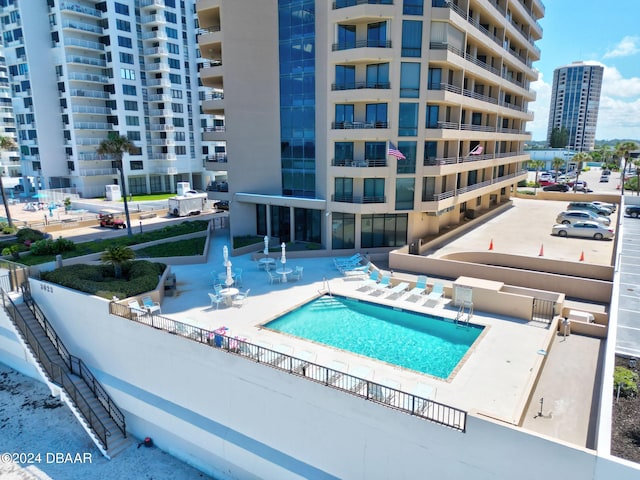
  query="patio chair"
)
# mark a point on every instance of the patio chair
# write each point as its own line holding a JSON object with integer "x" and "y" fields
{"x": 398, "y": 290}
{"x": 238, "y": 277}
{"x": 384, "y": 393}
{"x": 369, "y": 283}
{"x": 216, "y": 299}
{"x": 435, "y": 295}
{"x": 423, "y": 394}
{"x": 273, "y": 277}
{"x": 363, "y": 375}
{"x": 240, "y": 298}
{"x": 344, "y": 261}
{"x": 335, "y": 371}
{"x": 150, "y": 305}
{"x": 420, "y": 288}
{"x": 136, "y": 310}
{"x": 383, "y": 284}
{"x": 300, "y": 363}
{"x": 296, "y": 274}
{"x": 358, "y": 270}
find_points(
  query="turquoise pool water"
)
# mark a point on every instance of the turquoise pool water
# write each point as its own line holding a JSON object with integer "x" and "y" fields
{"x": 423, "y": 343}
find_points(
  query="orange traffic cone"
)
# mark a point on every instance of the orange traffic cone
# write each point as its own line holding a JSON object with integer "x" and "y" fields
{"x": 541, "y": 254}
{"x": 582, "y": 257}
{"x": 491, "y": 244}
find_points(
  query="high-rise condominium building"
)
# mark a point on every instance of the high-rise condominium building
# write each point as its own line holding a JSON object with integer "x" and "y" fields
{"x": 9, "y": 160}
{"x": 80, "y": 69}
{"x": 575, "y": 99}
{"x": 366, "y": 124}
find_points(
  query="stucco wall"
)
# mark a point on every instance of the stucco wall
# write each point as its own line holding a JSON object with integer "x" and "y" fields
{"x": 214, "y": 409}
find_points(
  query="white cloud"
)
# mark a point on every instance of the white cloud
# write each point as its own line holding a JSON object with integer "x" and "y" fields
{"x": 619, "y": 113}
{"x": 628, "y": 46}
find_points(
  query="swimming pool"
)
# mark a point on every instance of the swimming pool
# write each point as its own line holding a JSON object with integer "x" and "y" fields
{"x": 423, "y": 343}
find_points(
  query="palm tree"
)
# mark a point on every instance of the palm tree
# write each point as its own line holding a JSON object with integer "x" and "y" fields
{"x": 605, "y": 152}
{"x": 580, "y": 159}
{"x": 622, "y": 152}
{"x": 557, "y": 164}
{"x": 117, "y": 145}
{"x": 537, "y": 164}
{"x": 6, "y": 143}
{"x": 117, "y": 255}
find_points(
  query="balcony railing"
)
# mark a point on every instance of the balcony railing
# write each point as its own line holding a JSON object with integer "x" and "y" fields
{"x": 77, "y": 92}
{"x": 216, "y": 158}
{"x": 469, "y": 188}
{"x": 462, "y": 91}
{"x": 211, "y": 95}
{"x": 358, "y": 199}
{"x": 365, "y": 163}
{"x": 358, "y": 125}
{"x": 361, "y": 44}
{"x": 97, "y": 62}
{"x": 215, "y": 128}
{"x": 97, "y": 172}
{"x": 350, "y": 3}
{"x": 74, "y": 7}
{"x": 439, "y": 161}
{"x": 76, "y": 42}
{"x": 211, "y": 29}
{"x": 476, "y": 128}
{"x": 85, "y": 27}
{"x": 361, "y": 85}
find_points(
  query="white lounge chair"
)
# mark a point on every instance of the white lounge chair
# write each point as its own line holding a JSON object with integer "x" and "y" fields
{"x": 420, "y": 288}
{"x": 335, "y": 371}
{"x": 354, "y": 271}
{"x": 435, "y": 295}
{"x": 383, "y": 284}
{"x": 345, "y": 261}
{"x": 423, "y": 393}
{"x": 363, "y": 374}
{"x": 396, "y": 291}
{"x": 136, "y": 310}
{"x": 384, "y": 393}
{"x": 369, "y": 283}
{"x": 300, "y": 363}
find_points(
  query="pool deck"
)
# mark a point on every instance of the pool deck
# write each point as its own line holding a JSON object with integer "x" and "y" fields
{"x": 495, "y": 379}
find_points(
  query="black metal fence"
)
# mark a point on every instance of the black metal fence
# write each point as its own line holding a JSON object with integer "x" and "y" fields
{"x": 56, "y": 373}
{"x": 391, "y": 397}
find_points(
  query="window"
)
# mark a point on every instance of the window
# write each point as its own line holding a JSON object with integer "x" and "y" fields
{"x": 378, "y": 75}
{"x": 343, "y": 189}
{"x": 344, "y": 115}
{"x": 430, "y": 151}
{"x": 181, "y": 150}
{"x": 124, "y": 42}
{"x": 376, "y": 114}
{"x": 175, "y": 78}
{"x": 411, "y": 38}
{"x": 174, "y": 63}
{"x": 408, "y": 120}
{"x": 128, "y": 89}
{"x": 123, "y": 9}
{"x": 127, "y": 74}
{"x": 404, "y": 193}
{"x": 409, "y": 80}
{"x": 171, "y": 32}
{"x": 176, "y": 93}
{"x": 377, "y": 35}
{"x": 343, "y": 230}
{"x": 433, "y": 112}
{"x": 173, "y": 48}
{"x": 177, "y": 108}
{"x": 434, "y": 79}
{"x": 383, "y": 230}
{"x": 170, "y": 17}
{"x": 133, "y": 135}
{"x": 180, "y": 136}
{"x": 132, "y": 121}
{"x": 130, "y": 105}
{"x": 375, "y": 150}
{"x": 346, "y": 36}
{"x": 413, "y": 7}
{"x": 345, "y": 77}
{"x": 136, "y": 164}
{"x": 408, "y": 164}
{"x": 126, "y": 58}
{"x": 170, "y": 3}
{"x": 343, "y": 153}
{"x": 178, "y": 122}
{"x": 123, "y": 25}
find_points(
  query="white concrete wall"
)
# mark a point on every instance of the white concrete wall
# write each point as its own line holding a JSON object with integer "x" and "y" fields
{"x": 225, "y": 414}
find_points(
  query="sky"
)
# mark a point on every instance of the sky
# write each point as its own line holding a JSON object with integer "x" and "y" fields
{"x": 600, "y": 33}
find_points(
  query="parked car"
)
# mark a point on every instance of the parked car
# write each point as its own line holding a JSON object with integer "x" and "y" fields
{"x": 573, "y": 216}
{"x": 221, "y": 205}
{"x": 584, "y": 230}
{"x": 591, "y": 207}
{"x": 610, "y": 206}
{"x": 544, "y": 183}
{"x": 556, "y": 187}
{"x": 545, "y": 177}
{"x": 632, "y": 211}
{"x": 108, "y": 219}
{"x": 604, "y": 178}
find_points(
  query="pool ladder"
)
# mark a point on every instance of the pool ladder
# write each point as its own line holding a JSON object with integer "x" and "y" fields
{"x": 326, "y": 286}
{"x": 460, "y": 320}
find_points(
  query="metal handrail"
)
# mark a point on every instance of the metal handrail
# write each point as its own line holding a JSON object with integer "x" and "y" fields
{"x": 412, "y": 404}
{"x": 56, "y": 373}
{"x": 76, "y": 365}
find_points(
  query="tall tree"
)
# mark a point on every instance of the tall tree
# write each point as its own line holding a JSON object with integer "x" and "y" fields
{"x": 557, "y": 163}
{"x": 537, "y": 165}
{"x": 580, "y": 158}
{"x": 117, "y": 255}
{"x": 6, "y": 143}
{"x": 605, "y": 152}
{"x": 622, "y": 152}
{"x": 117, "y": 145}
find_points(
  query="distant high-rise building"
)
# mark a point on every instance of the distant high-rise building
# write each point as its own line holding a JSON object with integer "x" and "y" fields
{"x": 313, "y": 95}
{"x": 575, "y": 99}
{"x": 80, "y": 69}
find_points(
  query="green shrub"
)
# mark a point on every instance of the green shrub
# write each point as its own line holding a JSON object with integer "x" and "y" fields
{"x": 138, "y": 277}
{"x": 626, "y": 380}
{"x": 52, "y": 247}
{"x": 29, "y": 234}
{"x": 244, "y": 240}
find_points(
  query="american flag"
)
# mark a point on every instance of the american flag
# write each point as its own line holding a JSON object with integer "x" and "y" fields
{"x": 394, "y": 152}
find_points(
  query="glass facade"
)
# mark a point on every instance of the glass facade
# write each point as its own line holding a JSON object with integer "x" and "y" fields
{"x": 343, "y": 230}
{"x": 384, "y": 230}
{"x": 296, "y": 23}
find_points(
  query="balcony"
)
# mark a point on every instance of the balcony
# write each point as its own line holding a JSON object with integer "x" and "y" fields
{"x": 358, "y": 125}
{"x": 165, "y": 170}
{"x": 82, "y": 26}
{"x": 155, "y": 51}
{"x": 163, "y": 97}
{"x": 162, "y": 142}
{"x": 350, "y": 3}
{"x": 83, "y": 92}
{"x": 88, "y": 77}
{"x": 92, "y": 126}
{"x": 362, "y": 163}
{"x": 84, "y": 44}
{"x": 358, "y": 199}
{"x": 151, "y": 4}
{"x": 361, "y": 44}
{"x": 215, "y": 159}
{"x": 80, "y": 59}
{"x": 360, "y": 85}
{"x": 159, "y": 82}
{"x": 157, "y": 67}
{"x": 80, "y": 10}
{"x": 214, "y": 134}
{"x": 160, "y": 113}
{"x": 97, "y": 172}
{"x": 164, "y": 127}
{"x": 156, "y": 19}
{"x": 169, "y": 157}
{"x": 155, "y": 35}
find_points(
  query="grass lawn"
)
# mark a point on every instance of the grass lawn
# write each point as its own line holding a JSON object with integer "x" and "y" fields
{"x": 151, "y": 197}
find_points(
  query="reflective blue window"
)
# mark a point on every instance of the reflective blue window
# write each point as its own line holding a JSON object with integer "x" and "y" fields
{"x": 432, "y": 116}
{"x": 377, "y": 35}
{"x": 409, "y": 80}
{"x": 408, "y": 120}
{"x": 405, "y": 188}
{"x": 407, "y": 164}
{"x": 378, "y": 75}
{"x": 377, "y": 114}
{"x": 411, "y": 38}
{"x": 413, "y": 7}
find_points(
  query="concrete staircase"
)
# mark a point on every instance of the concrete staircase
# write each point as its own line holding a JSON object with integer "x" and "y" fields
{"x": 86, "y": 398}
